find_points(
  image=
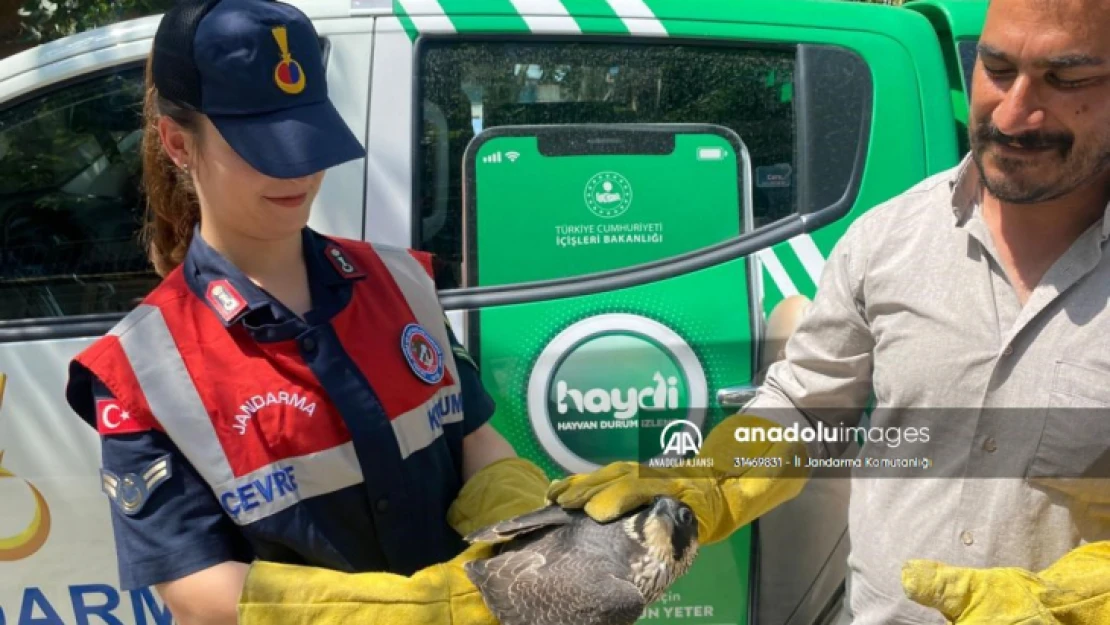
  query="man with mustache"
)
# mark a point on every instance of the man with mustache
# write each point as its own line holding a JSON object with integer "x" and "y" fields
{"x": 978, "y": 299}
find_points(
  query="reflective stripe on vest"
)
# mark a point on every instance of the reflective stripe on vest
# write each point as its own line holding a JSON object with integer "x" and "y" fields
{"x": 411, "y": 428}
{"x": 175, "y": 403}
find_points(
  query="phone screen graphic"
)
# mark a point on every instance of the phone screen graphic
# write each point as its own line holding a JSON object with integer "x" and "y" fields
{"x": 573, "y": 202}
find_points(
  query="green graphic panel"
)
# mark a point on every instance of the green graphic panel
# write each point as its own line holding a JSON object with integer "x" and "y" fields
{"x": 570, "y": 215}
{"x": 585, "y": 381}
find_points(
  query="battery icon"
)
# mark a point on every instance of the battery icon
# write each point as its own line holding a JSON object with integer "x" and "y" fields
{"x": 711, "y": 154}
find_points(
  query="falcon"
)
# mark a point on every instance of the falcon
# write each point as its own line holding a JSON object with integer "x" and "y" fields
{"x": 556, "y": 566}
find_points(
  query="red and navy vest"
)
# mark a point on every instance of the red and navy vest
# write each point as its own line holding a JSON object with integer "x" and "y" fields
{"x": 297, "y": 462}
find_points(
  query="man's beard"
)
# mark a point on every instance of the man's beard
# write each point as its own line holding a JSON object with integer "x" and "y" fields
{"x": 1015, "y": 187}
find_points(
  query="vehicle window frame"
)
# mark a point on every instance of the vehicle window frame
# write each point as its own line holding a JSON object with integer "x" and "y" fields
{"x": 746, "y": 244}
{"x": 65, "y": 326}
{"x": 967, "y": 71}
{"x": 439, "y": 39}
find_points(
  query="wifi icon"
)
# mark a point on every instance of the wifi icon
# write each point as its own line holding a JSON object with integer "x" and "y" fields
{"x": 512, "y": 156}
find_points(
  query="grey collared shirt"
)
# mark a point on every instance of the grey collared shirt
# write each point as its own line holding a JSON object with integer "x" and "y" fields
{"x": 914, "y": 307}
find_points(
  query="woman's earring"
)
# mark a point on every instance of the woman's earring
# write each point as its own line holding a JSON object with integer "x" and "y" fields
{"x": 185, "y": 168}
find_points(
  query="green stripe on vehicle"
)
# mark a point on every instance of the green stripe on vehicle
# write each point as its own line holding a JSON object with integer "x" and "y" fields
{"x": 406, "y": 22}
{"x": 425, "y": 15}
{"x": 639, "y": 18}
{"x": 776, "y": 272}
{"x": 507, "y": 18}
{"x": 795, "y": 269}
{"x": 595, "y": 17}
{"x": 500, "y": 24}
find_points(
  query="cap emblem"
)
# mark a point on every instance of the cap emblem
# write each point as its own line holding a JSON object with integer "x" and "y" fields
{"x": 288, "y": 75}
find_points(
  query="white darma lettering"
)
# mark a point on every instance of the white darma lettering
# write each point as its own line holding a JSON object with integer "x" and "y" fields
{"x": 258, "y": 402}
{"x": 623, "y": 403}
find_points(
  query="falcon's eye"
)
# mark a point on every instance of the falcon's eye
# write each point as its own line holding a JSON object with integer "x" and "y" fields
{"x": 685, "y": 516}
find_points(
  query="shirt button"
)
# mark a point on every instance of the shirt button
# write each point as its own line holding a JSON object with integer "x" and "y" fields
{"x": 1009, "y": 350}
{"x": 308, "y": 344}
{"x": 967, "y": 538}
{"x": 990, "y": 445}
{"x": 382, "y": 505}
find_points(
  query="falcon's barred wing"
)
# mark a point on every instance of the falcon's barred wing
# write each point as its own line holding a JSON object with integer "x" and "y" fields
{"x": 544, "y": 587}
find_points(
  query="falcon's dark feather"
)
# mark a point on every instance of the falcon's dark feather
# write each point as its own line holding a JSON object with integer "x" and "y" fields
{"x": 517, "y": 526}
{"x": 560, "y": 567}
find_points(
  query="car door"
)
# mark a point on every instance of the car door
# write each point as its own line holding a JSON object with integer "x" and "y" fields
{"x": 957, "y": 24}
{"x": 69, "y": 204}
{"x": 71, "y": 265}
{"x": 799, "y": 90}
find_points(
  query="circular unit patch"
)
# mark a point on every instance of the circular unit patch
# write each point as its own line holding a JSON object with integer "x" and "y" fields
{"x": 423, "y": 354}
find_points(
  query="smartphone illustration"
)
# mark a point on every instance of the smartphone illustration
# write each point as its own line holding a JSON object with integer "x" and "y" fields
{"x": 627, "y": 373}
{"x": 548, "y": 202}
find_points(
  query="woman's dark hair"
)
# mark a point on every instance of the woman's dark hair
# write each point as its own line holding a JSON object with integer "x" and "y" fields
{"x": 172, "y": 208}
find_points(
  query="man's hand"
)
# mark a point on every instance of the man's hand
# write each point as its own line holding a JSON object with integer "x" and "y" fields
{"x": 1075, "y": 590}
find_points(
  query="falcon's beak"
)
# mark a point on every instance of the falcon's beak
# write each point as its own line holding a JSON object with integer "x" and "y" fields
{"x": 678, "y": 513}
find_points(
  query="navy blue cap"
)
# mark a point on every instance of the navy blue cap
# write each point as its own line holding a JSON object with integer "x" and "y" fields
{"x": 256, "y": 69}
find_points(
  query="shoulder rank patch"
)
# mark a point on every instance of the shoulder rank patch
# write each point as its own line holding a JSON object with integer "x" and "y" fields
{"x": 342, "y": 264}
{"x": 131, "y": 491}
{"x": 225, "y": 299}
{"x": 458, "y": 350}
{"x": 463, "y": 355}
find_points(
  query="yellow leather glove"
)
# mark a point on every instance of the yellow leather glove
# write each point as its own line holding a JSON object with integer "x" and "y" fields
{"x": 283, "y": 594}
{"x": 1075, "y": 590}
{"x": 502, "y": 490}
{"x": 746, "y": 481}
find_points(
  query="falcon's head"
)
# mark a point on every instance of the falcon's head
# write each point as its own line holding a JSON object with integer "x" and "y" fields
{"x": 668, "y": 532}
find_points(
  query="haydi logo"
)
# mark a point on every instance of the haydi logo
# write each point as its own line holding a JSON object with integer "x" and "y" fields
{"x": 623, "y": 403}
{"x": 604, "y": 382}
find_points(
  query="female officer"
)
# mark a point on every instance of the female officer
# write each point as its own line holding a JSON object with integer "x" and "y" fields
{"x": 284, "y": 407}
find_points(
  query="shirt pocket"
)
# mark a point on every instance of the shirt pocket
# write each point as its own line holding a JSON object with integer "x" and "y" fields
{"x": 1073, "y": 454}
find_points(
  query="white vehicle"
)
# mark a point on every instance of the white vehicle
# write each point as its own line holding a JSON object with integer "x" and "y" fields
{"x": 417, "y": 84}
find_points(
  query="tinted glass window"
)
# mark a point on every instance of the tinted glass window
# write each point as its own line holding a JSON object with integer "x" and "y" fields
{"x": 969, "y": 53}
{"x": 70, "y": 204}
{"x": 471, "y": 86}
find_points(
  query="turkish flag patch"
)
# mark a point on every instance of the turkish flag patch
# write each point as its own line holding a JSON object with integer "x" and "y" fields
{"x": 113, "y": 418}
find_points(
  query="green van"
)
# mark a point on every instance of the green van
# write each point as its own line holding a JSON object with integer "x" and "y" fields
{"x": 593, "y": 328}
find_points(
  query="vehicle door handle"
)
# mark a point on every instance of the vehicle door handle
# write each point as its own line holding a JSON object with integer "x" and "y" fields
{"x": 736, "y": 396}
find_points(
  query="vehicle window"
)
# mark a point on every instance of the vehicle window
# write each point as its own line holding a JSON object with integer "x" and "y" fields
{"x": 70, "y": 205}
{"x": 969, "y": 53}
{"x": 470, "y": 86}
